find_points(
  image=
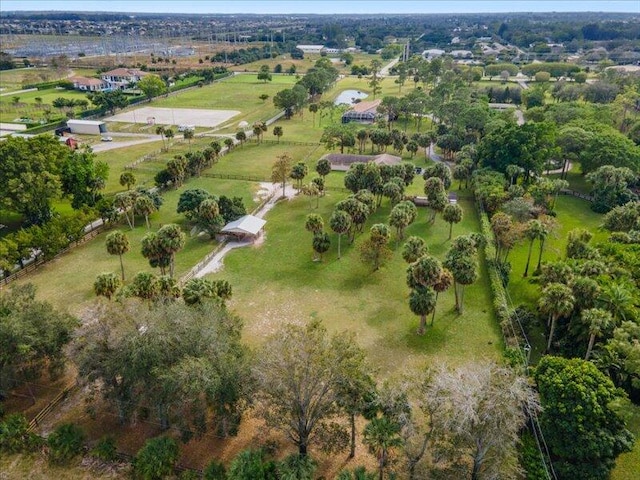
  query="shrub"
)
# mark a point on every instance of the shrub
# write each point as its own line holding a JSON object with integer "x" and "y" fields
{"x": 15, "y": 436}
{"x": 65, "y": 443}
{"x": 156, "y": 459}
{"x": 105, "y": 449}
{"x": 215, "y": 471}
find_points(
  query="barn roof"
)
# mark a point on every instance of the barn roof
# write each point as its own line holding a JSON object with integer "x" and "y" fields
{"x": 247, "y": 225}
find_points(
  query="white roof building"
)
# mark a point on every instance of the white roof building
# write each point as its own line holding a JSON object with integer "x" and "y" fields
{"x": 244, "y": 226}
{"x": 433, "y": 52}
{"x": 310, "y": 48}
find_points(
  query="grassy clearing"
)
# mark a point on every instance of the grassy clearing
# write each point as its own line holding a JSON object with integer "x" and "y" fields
{"x": 27, "y": 106}
{"x": 14, "y": 79}
{"x": 36, "y": 467}
{"x": 277, "y": 282}
{"x": 309, "y": 60}
{"x": 572, "y": 213}
{"x": 627, "y": 464}
{"x": 240, "y": 92}
{"x": 67, "y": 282}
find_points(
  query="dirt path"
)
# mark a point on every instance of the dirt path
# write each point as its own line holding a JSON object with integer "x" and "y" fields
{"x": 267, "y": 190}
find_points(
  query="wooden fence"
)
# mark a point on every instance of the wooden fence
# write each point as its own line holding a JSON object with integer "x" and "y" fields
{"x": 583, "y": 196}
{"x": 35, "y": 422}
{"x": 232, "y": 176}
{"x": 32, "y": 267}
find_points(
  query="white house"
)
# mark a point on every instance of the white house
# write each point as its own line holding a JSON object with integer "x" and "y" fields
{"x": 432, "y": 53}
{"x": 122, "y": 77}
{"x": 89, "y": 84}
{"x": 311, "y": 48}
{"x": 462, "y": 53}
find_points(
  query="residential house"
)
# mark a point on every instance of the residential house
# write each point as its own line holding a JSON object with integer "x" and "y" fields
{"x": 122, "y": 77}
{"x": 363, "y": 112}
{"x": 89, "y": 84}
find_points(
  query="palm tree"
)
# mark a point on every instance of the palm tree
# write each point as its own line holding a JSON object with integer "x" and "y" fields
{"x": 382, "y": 435}
{"x": 422, "y": 301}
{"x": 444, "y": 282}
{"x": 169, "y": 134}
{"x": 618, "y": 299}
{"x": 549, "y": 224}
{"x": 277, "y": 131}
{"x": 160, "y": 130}
{"x": 513, "y": 171}
{"x": 452, "y": 213}
{"x": 188, "y": 135}
{"x": 534, "y": 230}
{"x": 124, "y": 202}
{"x": 171, "y": 239}
{"x": 340, "y": 222}
{"x": 106, "y": 285}
{"x": 144, "y": 206}
{"x": 557, "y": 300}
{"x": 118, "y": 244}
{"x": 313, "y": 108}
{"x": 413, "y": 249}
{"x": 321, "y": 243}
{"x": 597, "y": 320}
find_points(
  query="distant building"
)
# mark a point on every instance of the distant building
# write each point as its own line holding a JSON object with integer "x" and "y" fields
{"x": 122, "y": 77}
{"x": 89, "y": 84}
{"x": 462, "y": 53}
{"x": 310, "y": 48}
{"x": 432, "y": 53}
{"x": 343, "y": 161}
{"x": 363, "y": 112}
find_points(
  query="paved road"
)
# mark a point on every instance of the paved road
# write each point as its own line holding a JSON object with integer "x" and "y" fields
{"x": 384, "y": 71}
{"x": 106, "y": 146}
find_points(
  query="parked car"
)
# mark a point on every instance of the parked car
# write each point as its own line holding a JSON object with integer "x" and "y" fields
{"x": 106, "y": 139}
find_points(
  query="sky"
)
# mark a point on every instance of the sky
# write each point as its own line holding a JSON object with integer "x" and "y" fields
{"x": 323, "y": 6}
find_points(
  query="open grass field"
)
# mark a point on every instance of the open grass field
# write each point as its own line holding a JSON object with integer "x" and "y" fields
{"x": 28, "y": 108}
{"x": 309, "y": 60}
{"x": 67, "y": 282}
{"x": 240, "y": 92}
{"x": 11, "y": 80}
{"x": 627, "y": 465}
{"x": 277, "y": 282}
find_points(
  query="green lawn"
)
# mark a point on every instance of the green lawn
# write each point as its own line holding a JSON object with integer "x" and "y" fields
{"x": 627, "y": 464}
{"x": 572, "y": 213}
{"x": 306, "y": 63}
{"x": 67, "y": 282}
{"x": 27, "y": 107}
{"x": 240, "y": 93}
{"x": 277, "y": 282}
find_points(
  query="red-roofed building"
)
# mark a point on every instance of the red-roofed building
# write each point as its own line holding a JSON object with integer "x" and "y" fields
{"x": 363, "y": 112}
{"x": 88, "y": 84}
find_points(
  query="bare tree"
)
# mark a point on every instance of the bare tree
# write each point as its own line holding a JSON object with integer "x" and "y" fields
{"x": 300, "y": 377}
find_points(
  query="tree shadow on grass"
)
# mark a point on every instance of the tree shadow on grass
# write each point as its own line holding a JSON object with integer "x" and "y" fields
{"x": 437, "y": 337}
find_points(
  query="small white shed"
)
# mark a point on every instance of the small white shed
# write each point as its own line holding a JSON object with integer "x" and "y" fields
{"x": 247, "y": 226}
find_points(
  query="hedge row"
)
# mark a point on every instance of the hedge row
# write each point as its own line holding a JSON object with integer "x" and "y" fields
{"x": 47, "y": 85}
{"x": 45, "y": 127}
{"x": 500, "y": 305}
